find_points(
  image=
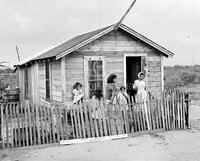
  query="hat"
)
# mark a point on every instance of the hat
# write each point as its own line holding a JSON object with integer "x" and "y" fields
{"x": 141, "y": 73}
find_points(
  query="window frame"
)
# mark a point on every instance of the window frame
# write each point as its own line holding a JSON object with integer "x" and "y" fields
{"x": 86, "y": 72}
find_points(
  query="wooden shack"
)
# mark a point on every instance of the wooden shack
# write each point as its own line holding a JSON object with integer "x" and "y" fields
{"x": 89, "y": 59}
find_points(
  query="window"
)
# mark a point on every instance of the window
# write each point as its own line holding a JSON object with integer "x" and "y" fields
{"x": 95, "y": 76}
{"x": 26, "y": 84}
{"x": 47, "y": 80}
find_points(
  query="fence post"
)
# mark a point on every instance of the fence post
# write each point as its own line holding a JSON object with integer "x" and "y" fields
{"x": 2, "y": 125}
{"x": 187, "y": 109}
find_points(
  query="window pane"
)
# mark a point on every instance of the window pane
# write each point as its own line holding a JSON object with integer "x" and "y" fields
{"x": 95, "y": 76}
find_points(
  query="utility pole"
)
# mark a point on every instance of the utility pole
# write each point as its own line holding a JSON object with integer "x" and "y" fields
{"x": 17, "y": 50}
{"x": 120, "y": 21}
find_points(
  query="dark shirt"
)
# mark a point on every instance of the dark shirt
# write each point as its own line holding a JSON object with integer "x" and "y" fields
{"x": 110, "y": 90}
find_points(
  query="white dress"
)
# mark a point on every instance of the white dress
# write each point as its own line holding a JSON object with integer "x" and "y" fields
{"x": 78, "y": 94}
{"x": 142, "y": 97}
{"x": 141, "y": 92}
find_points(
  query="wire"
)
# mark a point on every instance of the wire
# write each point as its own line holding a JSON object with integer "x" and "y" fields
{"x": 157, "y": 22}
{"x": 41, "y": 21}
{"x": 163, "y": 17}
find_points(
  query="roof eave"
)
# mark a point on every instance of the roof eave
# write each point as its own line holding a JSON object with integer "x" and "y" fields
{"x": 164, "y": 51}
{"x": 111, "y": 28}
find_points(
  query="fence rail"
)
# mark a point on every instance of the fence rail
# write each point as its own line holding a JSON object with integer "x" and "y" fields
{"x": 27, "y": 125}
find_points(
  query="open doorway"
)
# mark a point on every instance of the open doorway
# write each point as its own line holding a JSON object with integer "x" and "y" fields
{"x": 133, "y": 67}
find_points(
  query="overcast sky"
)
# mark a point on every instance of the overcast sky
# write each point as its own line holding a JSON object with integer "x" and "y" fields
{"x": 34, "y": 25}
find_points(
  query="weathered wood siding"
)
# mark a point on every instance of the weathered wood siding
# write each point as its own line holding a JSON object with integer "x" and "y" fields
{"x": 74, "y": 72}
{"x": 41, "y": 81}
{"x": 55, "y": 81}
{"x": 113, "y": 46}
{"x": 32, "y": 83}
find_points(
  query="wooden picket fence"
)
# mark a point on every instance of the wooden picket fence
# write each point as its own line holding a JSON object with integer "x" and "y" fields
{"x": 27, "y": 125}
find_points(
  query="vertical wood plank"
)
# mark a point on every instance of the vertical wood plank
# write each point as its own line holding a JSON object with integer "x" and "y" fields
{"x": 78, "y": 119}
{"x": 120, "y": 117}
{"x": 173, "y": 111}
{"x": 18, "y": 124}
{"x": 15, "y": 124}
{"x": 72, "y": 123}
{"x": 75, "y": 121}
{"x": 168, "y": 113}
{"x": 105, "y": 130}
{"x": 2, "y": 124}
{"x": 38, "y": 124}
{"x": 95, "y": 120}
{"x": 53, "y": 123}
{"x": 49, "y": 124}
{"x": 91, "y": 120}
{"x": 141, "y": 116}
{"x": 26, "y": 125}
{"x": 7, "y": 127}
{"x": 29, "y": 124}
{"x": 66, "y": 127}
{"x": 184, "y": 109}
{"x": 82, "y": 121}
{"x": 126, "y": 122}
{"x": 23, "y": 124}
{"x": 134, "y": 112}
{"x": 33, "y": 116}
{"x": 57, "y": 123}
{"x": 138, "y": 116}
{"x": 11, "y": 121}
{"x": 149, "y": 114}
{"x": 131, "y": 115}
{"x": 153, "y": 114}
{"x": 41, "y": 112}
{"x": 88, "y": 133}
{"x": 61, "y": 123}
{"x": 100, "y": 119}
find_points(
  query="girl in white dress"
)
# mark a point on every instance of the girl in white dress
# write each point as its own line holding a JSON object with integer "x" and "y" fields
{"x": 141, "y": 95}
{"x": 140, "y": 86}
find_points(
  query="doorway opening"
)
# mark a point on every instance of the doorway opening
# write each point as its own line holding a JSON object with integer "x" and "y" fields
{"x": 133, "y": 67}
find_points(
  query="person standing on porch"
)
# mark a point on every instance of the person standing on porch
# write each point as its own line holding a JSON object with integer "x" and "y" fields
{"x": 141, "y": 96}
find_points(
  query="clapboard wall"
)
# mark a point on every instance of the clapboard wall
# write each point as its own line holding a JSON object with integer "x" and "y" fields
{"x": 55, "y": 81}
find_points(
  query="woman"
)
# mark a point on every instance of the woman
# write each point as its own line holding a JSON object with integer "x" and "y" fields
{"x": 140, "y": 86}
{"x": 111, "y": 89}
{"x": 141, "y": 95}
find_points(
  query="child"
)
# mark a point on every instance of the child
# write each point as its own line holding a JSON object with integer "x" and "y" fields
{"x": 122, "y": 97}
{"x": 97, "y": 103}
{"x": 77, "y": 93}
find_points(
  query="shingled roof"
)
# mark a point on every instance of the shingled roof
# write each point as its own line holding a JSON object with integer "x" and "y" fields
{"x": 83, "y": 39}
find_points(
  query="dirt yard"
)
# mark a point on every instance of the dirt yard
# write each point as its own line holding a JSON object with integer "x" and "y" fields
{"x": 165, "y": 146}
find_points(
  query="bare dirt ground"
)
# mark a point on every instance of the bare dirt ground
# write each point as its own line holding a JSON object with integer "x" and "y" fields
{"x": 166, "y": 146}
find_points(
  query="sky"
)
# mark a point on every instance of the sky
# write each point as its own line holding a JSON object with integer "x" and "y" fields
{"x": 34, "y": 25}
